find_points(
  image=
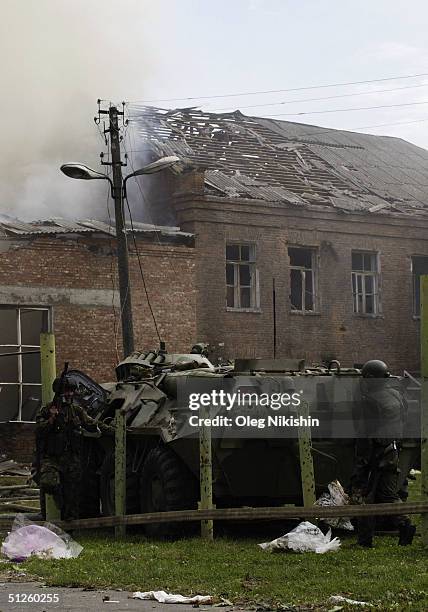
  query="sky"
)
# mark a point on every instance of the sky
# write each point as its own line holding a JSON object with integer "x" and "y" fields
{"x": 62, "y": 55}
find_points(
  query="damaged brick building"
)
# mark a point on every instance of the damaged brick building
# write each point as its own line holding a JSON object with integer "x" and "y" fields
{"x": 65, "y": 272}
{"x": 273, "y": 239}
{"x": 309, "y": 241}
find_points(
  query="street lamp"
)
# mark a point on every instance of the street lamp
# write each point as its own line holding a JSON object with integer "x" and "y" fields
{"x": 118, "y": 192}
{"x": 82, "y": 172}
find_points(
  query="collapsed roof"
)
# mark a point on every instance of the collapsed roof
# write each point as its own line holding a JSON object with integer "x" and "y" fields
{"x": 58, "y": 226}
{"x": 292, "y": 163}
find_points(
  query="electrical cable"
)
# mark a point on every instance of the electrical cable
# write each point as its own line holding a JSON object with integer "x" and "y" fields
{"x": 319, "y": 129}
{"x": 361, "y": 93}
{"x": 112, "y": 275}
{"x": 324, "y": 130}
{"x": 344, "y": 110}
{"x": 141, "y": 271}
{"x": 269, "y": 91}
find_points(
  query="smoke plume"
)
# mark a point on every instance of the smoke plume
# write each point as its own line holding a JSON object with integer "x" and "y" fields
{"x": 59, "y": 56}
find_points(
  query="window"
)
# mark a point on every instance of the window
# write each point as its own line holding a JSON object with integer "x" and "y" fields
{"x": 241, "y": 276}
{"x": 20, "y": 378}
{"x": 302, "y": 279}
{"x": 419, "y": 267}
{"x": 365, "y": 283}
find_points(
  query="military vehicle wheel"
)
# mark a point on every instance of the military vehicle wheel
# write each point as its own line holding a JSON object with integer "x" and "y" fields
{"x": 166, "y": 484}
{"x": 107, "y": 487}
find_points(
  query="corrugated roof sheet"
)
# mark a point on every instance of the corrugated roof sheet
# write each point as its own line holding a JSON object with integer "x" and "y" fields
{"x": 58, "y": 225}
{"x": 293, "y": 163}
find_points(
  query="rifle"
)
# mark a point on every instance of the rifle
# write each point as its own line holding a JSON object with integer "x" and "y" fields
{"x": 59, "y": 387}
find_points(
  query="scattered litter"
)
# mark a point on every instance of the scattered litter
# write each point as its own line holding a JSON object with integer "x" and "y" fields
{"x": 164, "y": 597}
{"x": 47, "y": 542}
{"x": 12, "y": 468}
{"x": 354, "y": 602}
{"x": 223, "y": 603}
{"x": 306, "y": 537}
{"x": 336, "y": 496}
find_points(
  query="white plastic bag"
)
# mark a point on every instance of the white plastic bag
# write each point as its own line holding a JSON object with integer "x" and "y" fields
{"x": 164, "y": 597}
{"x": 352, "y": 602}
{"x": 47, "y": 541}
{"x": 306, "y": 537}
{"x": 336, "y": 496}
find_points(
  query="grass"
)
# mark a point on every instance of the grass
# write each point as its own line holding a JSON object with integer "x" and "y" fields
{"x": 389, "y": 576}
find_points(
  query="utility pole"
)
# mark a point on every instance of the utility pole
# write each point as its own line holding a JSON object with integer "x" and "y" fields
{"x": 122, "y": 242}
{"x": 424, "y": 404}
{"x": 125, "y": 312}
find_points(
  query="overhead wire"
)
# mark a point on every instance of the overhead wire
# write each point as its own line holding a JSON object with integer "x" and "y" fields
{"x": 141, "y": 270}
{"x": 270, "y": 91}
{"x": 344, "y": 110}
{"x": 302, "y": 100}
{"x": 324, "y": 130}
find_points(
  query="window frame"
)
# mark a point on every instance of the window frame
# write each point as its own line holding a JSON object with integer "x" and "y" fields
{"x": 363, "y": 275}
{"x": 19, "y": 347}
{"x": 254, "y": 278}
{"x": 416, "y": 304}
{"x": 303, "y": 271}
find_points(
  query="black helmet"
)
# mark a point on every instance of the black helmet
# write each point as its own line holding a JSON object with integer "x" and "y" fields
{"x": 67, "y": 385}
{"x": 375, "y": 369}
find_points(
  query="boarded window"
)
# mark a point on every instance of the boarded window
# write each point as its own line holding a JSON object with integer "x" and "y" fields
{"x": 303, "y": 284}
{"x": 241, "y": 276}
{"x": 419, "y": 268}
{"x": 365, "y": 283}
{"x": 20, "y": 378}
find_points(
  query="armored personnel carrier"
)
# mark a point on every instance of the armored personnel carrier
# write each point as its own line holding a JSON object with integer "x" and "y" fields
{"x": 163, "y": 454}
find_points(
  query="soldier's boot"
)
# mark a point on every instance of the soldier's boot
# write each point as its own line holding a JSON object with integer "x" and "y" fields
{"x": 365, "y": 530}
{"x": 366, "y": 542}
{"x": 406, "y": 534}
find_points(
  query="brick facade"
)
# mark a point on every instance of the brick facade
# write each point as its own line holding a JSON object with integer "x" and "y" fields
{"x": 333, "y": 331}
{"x": 88, "y": 334}
{"x": 85, "y": 334}
{"x": 17, "y": 441}
{"x": 187, "y": 286}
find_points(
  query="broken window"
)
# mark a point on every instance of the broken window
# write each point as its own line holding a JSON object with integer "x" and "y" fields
{"x": 365, "y": 283}
{"x": 241, "y": 276}
{"x": 302, "y": 279}
{"x": 20, "y": 377}
{"x": 419, "y": 268}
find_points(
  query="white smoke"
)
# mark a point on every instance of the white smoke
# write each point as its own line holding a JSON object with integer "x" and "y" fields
{"x": 59, "y": 56}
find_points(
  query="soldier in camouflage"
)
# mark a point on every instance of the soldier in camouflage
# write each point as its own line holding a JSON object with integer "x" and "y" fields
{"x": 59, "y": 429}
{"x": 376, "y": 473}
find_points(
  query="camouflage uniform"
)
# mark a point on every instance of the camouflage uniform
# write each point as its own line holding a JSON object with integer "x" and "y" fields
{"x": 376, "y": 473}
{"x": 59, "y": 452}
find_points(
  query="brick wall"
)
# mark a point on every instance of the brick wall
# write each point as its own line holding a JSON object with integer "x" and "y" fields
{"x": 334, "y": 332}
{"x": 17, "y": 441}
{"x": 88, "y": 335}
